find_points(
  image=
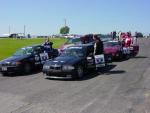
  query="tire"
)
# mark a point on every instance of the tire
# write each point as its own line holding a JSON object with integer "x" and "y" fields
{"x": 27, "y": 68}
{"x": 120, "y": 56}
{"x": 127, "y": 56}
{"x": 4, "y": 74}
{"x": 80, "y": 72}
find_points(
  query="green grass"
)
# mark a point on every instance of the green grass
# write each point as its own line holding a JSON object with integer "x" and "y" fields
{"x": 9, "y": 46}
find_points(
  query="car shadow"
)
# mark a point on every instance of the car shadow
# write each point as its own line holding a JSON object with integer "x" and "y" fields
{"x": 59, "y": 79}
{"x": 92, "y": 74}
{"x": 22, "y": 74}
{"x": 140, "y": 57}
{"x": 103, "y": 71}
{"x": 115, "y": 72}
{"x": 132, "y": 57}
{"x": 121, "y": 60}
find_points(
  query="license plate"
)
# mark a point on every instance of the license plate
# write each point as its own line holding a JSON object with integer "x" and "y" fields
{"x": 131, "y": 48}
{"x": 4, "y": 68}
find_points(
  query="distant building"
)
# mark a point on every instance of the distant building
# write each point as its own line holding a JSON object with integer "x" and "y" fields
{"x": 4, "y": 36}
{"x": 42, "y": 36}
{"x": 17, "y": 35}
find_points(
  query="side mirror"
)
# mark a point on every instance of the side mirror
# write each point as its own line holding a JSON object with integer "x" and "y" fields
{"x": 35, "y": 52}
{"x": 90, "y": 55}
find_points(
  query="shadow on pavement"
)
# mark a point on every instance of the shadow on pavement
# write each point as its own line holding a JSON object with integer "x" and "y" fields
{"x": 115, "y": 72}
{"x": 93, "y": 74}
{"x": 103, "y": 71}
{"x": 138, "y": 57}
{"x": 21, "y": 74}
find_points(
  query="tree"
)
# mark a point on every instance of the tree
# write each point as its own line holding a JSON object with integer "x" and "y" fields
{"x": 64, "y": 30}
{"x": 139, "y": 34}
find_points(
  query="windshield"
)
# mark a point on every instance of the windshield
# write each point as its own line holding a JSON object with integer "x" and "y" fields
{"x": 73, "y": 41}
{"x": 73, "y": 51}
{"x": 24, "y": 51}
{"x": 111, "y": 44}
{"x": 104, "y": 38}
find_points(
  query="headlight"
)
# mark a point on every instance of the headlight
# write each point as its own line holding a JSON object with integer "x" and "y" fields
{"x": 68, "y": 67}
{"x": 46, "y": 67}
{"x": 15, "y": 63}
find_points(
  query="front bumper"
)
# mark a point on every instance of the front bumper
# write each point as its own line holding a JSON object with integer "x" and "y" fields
{"x": 9, "y": 69}
{"x": 55, "y": 73}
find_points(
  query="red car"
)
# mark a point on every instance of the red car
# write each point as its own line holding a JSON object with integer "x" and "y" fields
{"x": 134, "y": 50}
{"x": 114, "y": 48}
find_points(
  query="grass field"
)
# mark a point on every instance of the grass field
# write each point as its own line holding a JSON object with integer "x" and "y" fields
{"x": 9, "y": 46}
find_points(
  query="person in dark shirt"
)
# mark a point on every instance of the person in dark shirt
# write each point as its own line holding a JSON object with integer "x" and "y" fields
{"x": 98, "y": 52}
{"x": 98, "y": 46}
{"x": 48, "y": 46}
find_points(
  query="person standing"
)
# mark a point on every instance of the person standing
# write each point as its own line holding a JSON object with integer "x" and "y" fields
{"x": 48, "y": 45}
{"x": 114, "y": 35}
{"x": 119, "y": 38}
{"x": 98, "y": 52}
{"x": 98, "y": 46}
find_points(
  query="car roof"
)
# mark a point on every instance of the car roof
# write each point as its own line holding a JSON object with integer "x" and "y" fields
{"x": 82, "y": 45}
{"x": 113, "y": 41}
{"x": 36, "y": 45}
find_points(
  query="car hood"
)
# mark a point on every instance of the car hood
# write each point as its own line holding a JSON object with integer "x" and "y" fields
{"x": 111, "y": 49}
{"x": 14, "y": 59}
{"x": 63, "y": 47}
{"x": 68, "y": 60}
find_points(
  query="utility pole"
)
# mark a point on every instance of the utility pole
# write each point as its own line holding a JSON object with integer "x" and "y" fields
{"x": 24, "y": 31}
{"x": 65, "y": 22}
{"x": 9, "y": 29}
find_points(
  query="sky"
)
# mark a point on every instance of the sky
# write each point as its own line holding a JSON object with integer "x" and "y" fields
{"x": 46, "y": 17}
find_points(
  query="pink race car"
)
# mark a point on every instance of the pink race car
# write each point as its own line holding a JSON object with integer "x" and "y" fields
{"x": 114, "y": 48}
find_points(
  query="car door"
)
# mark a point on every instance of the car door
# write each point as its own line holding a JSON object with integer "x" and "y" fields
{"x": 36, "y": 53}
{"x": 40, "y": 55}
{"x": 90, "y": 58}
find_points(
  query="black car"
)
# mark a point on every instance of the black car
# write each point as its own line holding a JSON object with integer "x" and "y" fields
{"x": 72, "y": 63}
{"x": 26, "y": 59}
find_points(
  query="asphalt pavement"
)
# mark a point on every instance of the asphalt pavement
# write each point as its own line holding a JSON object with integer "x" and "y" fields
{"x": 124, "y": 87}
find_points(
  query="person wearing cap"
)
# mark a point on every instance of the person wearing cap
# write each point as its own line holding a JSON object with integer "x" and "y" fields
{"x": 48, "y": 45}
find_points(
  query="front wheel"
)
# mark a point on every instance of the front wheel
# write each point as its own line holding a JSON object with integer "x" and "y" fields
{"x": 80, "y": 72}
{"x": 4, "y": 74}
{"x": 27, "y": 68}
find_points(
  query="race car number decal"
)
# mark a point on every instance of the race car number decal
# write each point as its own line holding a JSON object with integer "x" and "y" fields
{"x": 44, "y": 56}
{"x": 37, "y": 58}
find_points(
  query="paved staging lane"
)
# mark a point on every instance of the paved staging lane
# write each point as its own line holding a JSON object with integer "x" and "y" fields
{"x": 124, "y": 88}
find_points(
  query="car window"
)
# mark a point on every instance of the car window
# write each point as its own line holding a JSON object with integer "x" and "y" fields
{"x": 104, "y": 38}
{"x": 111, "y": 44}
{"x": 73, "y": 40}
{"x": 24, "y": 51}
{"x": 38, "y": 49}
{"x": 73, "y": 51}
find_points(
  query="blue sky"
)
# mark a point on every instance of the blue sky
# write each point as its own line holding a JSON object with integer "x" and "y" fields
{"x": 45, "y": 17}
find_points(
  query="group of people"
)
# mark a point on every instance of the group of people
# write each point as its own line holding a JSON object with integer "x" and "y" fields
{"x": 125, "y": 38}
{"x": 98, "y": 46}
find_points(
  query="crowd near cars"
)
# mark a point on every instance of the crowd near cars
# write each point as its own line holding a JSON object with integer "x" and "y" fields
{"x": 73, "y": 59}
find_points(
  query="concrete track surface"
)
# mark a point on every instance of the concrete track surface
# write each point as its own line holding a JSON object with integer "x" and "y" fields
{"x": 124, "y": 87}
